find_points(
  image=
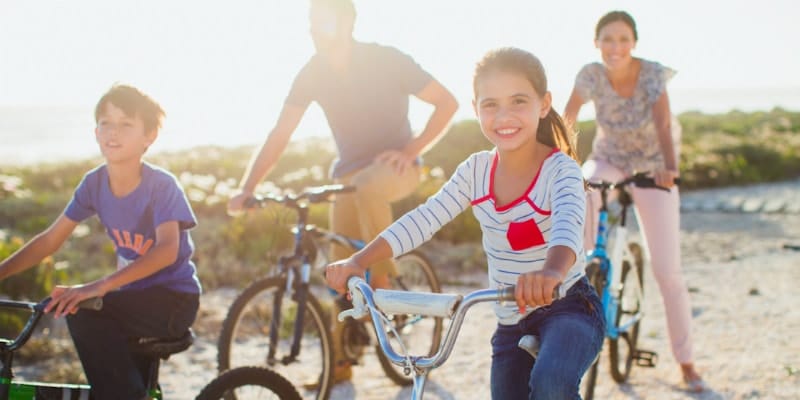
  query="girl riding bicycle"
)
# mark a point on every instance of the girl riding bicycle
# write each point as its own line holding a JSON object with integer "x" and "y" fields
{"x": 528, "y": 195}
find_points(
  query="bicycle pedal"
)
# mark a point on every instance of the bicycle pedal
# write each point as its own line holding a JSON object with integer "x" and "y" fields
{"x": 645, "y": 358}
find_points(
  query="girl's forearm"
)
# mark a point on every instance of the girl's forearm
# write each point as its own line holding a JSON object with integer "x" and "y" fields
{"x": 560, "y": 259}
{"x": 376, "y": 251}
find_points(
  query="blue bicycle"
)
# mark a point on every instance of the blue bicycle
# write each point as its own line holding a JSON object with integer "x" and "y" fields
{"x": 618, "y": 278}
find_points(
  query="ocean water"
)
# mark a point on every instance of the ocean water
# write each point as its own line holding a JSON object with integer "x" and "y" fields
{"x": 31, "y": 134}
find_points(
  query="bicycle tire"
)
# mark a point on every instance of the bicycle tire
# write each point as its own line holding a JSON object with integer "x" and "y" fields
{"x": 590, "y": 380}
{"x": 258, "y": 383}
{"x": 416, "y": 274}
{"x": 244, "y": 339}
{"x": 598, "y": 281}
{"x": 621, "y": 364}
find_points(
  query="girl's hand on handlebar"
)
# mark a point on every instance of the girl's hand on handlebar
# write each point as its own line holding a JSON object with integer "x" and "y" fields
{"x": 337, "y": 274}
{"x": 536, "y": 288}
{"x": 65, "y": 299}
{"x": 665, "y": 178}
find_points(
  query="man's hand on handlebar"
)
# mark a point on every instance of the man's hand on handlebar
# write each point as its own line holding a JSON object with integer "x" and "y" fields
{"x": 237, "y": 202}
{"x": 337, "y": 274}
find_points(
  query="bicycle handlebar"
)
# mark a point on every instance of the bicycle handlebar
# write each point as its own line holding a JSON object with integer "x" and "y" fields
{"x": 37, "y": 310}
{"x": 375, "y": 303}
{"x": 317, "y": 194}
{"x": 639, "y": 179}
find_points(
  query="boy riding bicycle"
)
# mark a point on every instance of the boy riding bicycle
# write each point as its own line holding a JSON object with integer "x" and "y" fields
{"x": 154, "y": 291}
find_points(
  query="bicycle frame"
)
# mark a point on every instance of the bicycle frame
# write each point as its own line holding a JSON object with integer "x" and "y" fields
{"x": 610, "y": 264}
{"x": 29, "y": 390}
{"x": 453, "y": 306}
{"x": 298, "y": 265}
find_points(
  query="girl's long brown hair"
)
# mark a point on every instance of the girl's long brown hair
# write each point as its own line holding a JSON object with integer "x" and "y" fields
{"x": 552, "y": 130}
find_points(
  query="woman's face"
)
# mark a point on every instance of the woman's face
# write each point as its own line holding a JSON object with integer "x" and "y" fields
{"x": 615, "y": 42}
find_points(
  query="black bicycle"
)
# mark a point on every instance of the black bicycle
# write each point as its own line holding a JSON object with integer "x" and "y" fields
{"x": 279, "y": 322}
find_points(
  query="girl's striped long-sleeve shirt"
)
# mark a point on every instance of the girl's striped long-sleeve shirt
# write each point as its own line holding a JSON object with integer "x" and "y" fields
{"x": 517, "y": 235}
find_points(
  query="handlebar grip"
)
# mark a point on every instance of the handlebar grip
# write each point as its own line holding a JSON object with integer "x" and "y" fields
{"x": 507, "y": 293}
{"x": 94, "y": 303}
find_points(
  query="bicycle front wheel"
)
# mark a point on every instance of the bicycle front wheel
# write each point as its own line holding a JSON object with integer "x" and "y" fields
{"x": 589, "y": 380}
{"x": 245, "y": 337}
{"x": 249, "y": 383}
{"x": 419, "y": 335}
{"x": 622, "y": 350}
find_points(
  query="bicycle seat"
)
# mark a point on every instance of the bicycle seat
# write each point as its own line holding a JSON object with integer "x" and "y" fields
{"x": 162, "y": 347}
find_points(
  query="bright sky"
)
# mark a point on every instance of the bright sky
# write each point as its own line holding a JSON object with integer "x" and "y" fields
{"x": 222, "y": 69}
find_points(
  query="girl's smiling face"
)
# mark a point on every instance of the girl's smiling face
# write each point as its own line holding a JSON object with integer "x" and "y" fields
{"x": 509, "y": 109}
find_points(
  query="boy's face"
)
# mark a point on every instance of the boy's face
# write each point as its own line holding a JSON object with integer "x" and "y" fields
{"x": 121, "y": 137}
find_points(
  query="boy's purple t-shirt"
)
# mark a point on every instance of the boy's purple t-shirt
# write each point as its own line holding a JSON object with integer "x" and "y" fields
{"x": 131, "y": 222}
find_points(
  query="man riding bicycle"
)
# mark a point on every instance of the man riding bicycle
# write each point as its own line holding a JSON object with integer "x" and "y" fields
{"x": 363, "y": 89}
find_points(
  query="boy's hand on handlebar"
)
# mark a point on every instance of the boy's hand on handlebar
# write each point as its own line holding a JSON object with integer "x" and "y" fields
{"x": 536, "y": 288}
{"x": 665, "y": 178}
{"x": 237, "y": 202}
{"x": 337, "y": 274}
{"x": 65, "y": 299}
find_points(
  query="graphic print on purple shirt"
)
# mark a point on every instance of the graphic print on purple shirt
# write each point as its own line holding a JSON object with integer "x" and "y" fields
{"x": 131, "y": 222}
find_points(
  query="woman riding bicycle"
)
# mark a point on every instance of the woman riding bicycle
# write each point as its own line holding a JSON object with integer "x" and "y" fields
{"x": 637, "y": 132}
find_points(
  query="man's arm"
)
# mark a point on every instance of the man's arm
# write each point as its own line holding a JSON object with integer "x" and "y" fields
{"x": 445, "y": 105}
{"x": 41, "y": 246}
{"x": 263, "y": 161}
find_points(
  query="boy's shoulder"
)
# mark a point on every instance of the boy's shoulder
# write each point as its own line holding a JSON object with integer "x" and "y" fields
{"x": 157, "y": 175}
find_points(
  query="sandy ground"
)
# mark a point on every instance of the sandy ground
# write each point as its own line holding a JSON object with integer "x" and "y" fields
{"x": 744, "y": 291}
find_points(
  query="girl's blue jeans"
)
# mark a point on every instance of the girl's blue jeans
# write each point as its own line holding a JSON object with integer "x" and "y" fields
{"x": 102, "y": 337}
{"x": 571, "y": 332}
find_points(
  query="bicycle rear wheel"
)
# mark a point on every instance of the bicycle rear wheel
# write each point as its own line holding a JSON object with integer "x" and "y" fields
{"x": 245, "y": 337}
{"x": 622, "y": 350}
{"x": 419, "y": 335}
{"x": 249, "y": 383}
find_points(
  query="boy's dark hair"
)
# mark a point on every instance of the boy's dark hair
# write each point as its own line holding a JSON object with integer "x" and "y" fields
{"x": 615, "y": 16}
{"x": 134, "y": 103}
{"x": 552, "y": 130}
{"x": 344, "y": 8}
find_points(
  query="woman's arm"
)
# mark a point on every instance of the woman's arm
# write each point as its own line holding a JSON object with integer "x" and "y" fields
{"x": 572, "y": 109}
{"x": 41, "y": 246}
{"x": 662, "y": 118}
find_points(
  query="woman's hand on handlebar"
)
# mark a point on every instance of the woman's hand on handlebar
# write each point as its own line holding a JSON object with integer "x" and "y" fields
{"x": 337, "y": 274}
{"x": 536, "y": 288}
{"x": 665, "y": 178}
